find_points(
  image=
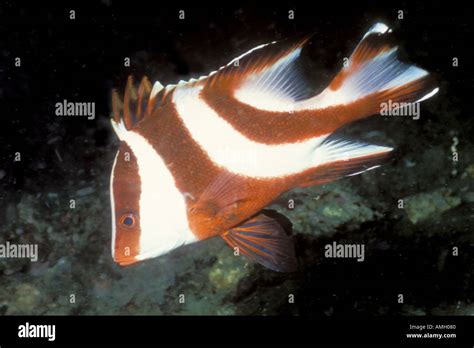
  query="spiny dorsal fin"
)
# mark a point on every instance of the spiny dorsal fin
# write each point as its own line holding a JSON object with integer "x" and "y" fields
{"x": 152, "y": 101}
{"x": 143, "y": 97}
{"x": 136, "y": 105}
{"x": 117, "y": 106}
{"x": 129, "y": 102}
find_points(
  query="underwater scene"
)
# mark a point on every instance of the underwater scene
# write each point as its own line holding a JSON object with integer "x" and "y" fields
{"x": 273, "y": 160}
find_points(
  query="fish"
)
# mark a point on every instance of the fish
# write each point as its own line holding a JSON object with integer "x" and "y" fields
{"x": 204, "y": 158}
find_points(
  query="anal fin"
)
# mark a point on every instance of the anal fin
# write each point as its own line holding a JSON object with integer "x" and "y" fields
{"x": 263, "y": 240}
{"x": 340, "y": 158}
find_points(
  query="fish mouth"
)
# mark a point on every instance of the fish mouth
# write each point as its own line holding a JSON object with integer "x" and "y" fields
{"x": 127, "y": 261}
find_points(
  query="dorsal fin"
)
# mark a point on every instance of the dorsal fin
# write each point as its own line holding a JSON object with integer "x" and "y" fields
{"x": 269, "y": 77}
{"x": 143, "y": 98}
{"x": 267, "y": 72}
{"x": 136, "y": 105}
{"x": 129, "y": 102}
{"x": 157, "y": 87}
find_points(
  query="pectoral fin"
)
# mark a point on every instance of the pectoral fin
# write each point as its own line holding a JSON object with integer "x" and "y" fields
{"x": 224, "y": 192}
{"x": 263, "y": 240}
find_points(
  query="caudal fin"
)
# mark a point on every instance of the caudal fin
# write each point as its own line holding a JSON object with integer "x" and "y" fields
{"x": 374, "y": 75}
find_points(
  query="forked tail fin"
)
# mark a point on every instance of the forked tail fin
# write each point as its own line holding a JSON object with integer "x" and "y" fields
{"x": 372, "y": 76}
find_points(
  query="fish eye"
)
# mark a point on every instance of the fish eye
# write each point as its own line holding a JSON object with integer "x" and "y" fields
{"x": 128, "y": 220}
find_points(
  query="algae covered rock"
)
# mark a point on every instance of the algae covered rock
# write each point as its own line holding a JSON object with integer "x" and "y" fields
{"x": 423, "y": 206}
{"x": 320, "y": 210}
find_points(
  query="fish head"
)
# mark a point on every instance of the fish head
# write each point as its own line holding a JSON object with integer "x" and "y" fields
{"x": 148, "y": 211}
{"x": 125, "y": 188}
